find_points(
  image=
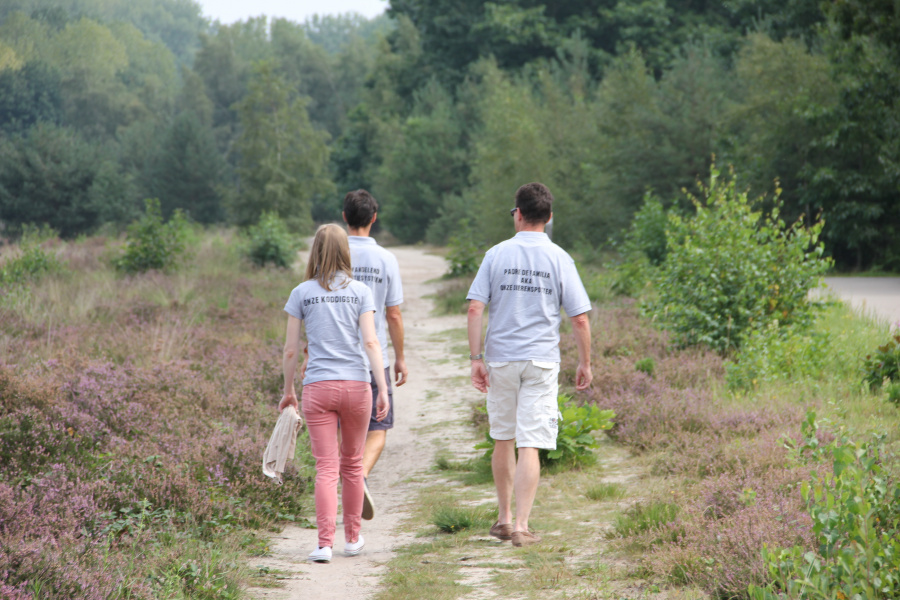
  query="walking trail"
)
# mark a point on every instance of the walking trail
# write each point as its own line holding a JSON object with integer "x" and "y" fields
{"x": 431, "y": 410}
{"x": 875, "y": 297}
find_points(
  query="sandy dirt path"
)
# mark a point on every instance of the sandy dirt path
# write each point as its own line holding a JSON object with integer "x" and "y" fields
{"x": 430, "y": 414}
{"x": 874, "y": 297}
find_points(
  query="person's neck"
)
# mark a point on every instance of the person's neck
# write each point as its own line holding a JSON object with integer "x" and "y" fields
{"x": 538, "y": 228}
{"x": 359, "y": 232}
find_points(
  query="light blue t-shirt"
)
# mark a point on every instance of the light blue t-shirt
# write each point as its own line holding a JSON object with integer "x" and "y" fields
{"x": 525, "y": 280}
{"x": 332, "y": 328}
{"x": 379, "y": 270}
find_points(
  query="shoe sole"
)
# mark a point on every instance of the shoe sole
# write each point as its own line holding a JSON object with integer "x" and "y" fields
{"x": 368, "y": 511}
{"x": 500, "y": 536}
{"x": 354, "y": 552}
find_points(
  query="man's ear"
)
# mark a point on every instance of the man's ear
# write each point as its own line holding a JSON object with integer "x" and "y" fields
{"x": 344, "y": 216}
{"x": 374, "y": 218}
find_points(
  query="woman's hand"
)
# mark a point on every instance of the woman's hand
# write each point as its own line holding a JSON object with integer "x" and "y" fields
{"x": 382, "y": 404}
{"x": 289, "y": 399}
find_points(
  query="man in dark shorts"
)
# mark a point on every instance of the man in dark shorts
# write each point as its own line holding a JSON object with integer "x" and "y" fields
{"x": 378, "y": 269}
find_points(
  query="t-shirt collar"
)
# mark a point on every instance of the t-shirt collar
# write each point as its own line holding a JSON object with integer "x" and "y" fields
{"x": 532, "y": 235}
{"x": 359, "y": 239}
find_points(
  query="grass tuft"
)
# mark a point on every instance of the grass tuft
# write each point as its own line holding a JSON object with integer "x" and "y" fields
{"x": 451, "y": 519}
{"x": 605, "y": 491}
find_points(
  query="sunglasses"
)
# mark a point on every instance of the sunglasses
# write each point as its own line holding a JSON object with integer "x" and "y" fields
{"x": 512, "y": 211}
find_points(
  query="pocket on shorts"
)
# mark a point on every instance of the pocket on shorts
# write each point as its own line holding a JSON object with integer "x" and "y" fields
{"x": 543, "y": 365}
{"x": 497, "y": 365}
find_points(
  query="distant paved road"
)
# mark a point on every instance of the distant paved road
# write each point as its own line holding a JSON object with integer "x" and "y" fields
{"x": 877, "y": 297}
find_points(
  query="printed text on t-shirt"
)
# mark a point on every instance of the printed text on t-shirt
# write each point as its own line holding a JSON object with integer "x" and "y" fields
{"x": 330, "y": 299}
{"x": 371, "y": 274}
{"x": 526, "y": 281}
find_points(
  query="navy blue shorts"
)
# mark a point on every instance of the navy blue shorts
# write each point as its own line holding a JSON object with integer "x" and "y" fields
{"x": 388, "y": 422}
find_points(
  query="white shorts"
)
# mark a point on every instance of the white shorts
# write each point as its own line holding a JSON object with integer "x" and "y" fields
{"x": 522, "y": 402}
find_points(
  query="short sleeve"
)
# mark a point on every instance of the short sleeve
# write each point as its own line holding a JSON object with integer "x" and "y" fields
{"x": 481, "y": 285}
{"x": 394, "y": 294}
{"x": 294, "y": 305}
{"x": 574, "y": 297}
{"x": 366, "y": 301}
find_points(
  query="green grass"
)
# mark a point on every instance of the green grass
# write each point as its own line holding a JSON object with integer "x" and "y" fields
{"x": 452, "y": 519}
{"x": 605, "y": 491}
{"x": 644, "y": 517}
{"x": 450, "y": 299}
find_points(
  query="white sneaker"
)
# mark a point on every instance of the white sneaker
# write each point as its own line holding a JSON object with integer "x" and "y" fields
{"x": 321, "y": 555}
{"x": 354, "y": 548}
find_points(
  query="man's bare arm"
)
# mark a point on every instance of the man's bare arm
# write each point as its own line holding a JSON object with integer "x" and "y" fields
{"x": 395, "y": 330}
{"x": 581, "y": 327}
{"x": 479, "y": 370}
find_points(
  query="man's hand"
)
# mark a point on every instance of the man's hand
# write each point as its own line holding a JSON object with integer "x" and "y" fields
{"x": 583, "y": 377}
{"x": 400, "y": 372}
{"x": 289, "y": 399}
{"x": 382, "y": 404}
{"x": 480, "y": 376}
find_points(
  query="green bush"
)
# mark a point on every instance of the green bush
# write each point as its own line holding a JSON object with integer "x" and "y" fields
{"x": 575, "y": 441}
{"x": 779, "y": 353}
{"x": 883, "y": 364}
{"x": 730, "y": 270}
{"x": 269, "y": 241}
{"x": 855, "y": 512}
{"x": 646, "y": 365}
{"x": 465, "y": 254}
{"x": 33, "y": 261}
{"x": 152, "y": 243}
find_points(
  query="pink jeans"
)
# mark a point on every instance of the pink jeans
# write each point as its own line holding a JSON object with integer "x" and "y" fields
{"x": 324, "y": 403}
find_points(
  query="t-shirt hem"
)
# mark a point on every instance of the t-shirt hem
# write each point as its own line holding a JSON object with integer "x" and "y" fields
{"x": 295, "y": 315}
{"x": 361, "y": 376}
{"x": 491, "y": 359}
{"x": 478, "y": 297}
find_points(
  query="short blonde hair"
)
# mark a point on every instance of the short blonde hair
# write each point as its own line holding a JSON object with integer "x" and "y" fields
{"x": 329, "y": 255}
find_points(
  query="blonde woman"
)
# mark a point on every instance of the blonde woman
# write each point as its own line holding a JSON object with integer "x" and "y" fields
{"x": 336, "y": 385}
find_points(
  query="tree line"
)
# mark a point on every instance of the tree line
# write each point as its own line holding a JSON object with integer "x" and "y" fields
{"x": 443, "y": 108}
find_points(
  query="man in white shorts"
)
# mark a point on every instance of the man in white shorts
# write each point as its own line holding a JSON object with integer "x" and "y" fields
{"x": 526, "y": 280}
{"x": 379, "y": 270}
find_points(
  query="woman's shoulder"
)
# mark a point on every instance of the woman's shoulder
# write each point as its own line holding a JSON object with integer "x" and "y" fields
{"x": 308, "y": 286}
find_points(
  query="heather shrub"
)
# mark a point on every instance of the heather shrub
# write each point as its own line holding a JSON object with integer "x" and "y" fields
{"x": 730, "y": 269}
{"x": 133, "y": 419}
{"x": 269, "y": 241}
{"x": 854, "y": 508}
{"x": 152, "y": 243}
{"x": 721, "y": 532}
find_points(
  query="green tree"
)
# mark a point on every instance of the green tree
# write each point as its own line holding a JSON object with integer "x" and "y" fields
{"x": 187, "y": 170}
{"x": 283, "y": 158}
{"x": 52, "y": 176}
{"x": 28, "y": 96}
{"x": 426, "y": 164}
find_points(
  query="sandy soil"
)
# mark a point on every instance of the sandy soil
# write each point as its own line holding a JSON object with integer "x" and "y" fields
{"x": 430, "y": 414}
